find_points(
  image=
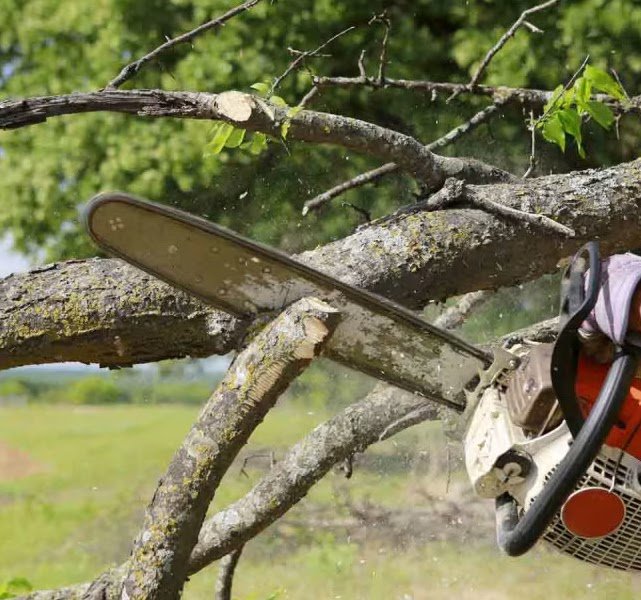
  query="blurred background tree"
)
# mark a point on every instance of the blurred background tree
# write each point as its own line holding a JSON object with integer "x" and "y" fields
{"x": 51, "y": 47}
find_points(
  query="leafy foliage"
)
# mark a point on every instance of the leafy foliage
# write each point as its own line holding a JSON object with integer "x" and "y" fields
{"x": 14, "y": 587}
{"x": 564, "y": 112}
{"x": 49, "y": 47}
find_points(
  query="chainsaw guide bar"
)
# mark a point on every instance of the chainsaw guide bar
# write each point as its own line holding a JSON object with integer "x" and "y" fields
{"x": 246, "y": 279}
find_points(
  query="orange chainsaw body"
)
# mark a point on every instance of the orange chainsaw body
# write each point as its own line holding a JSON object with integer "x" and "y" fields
{"x": 626, "y": 432}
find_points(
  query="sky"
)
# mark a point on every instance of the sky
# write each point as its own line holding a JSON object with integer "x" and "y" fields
{"x": 10, "y": 262}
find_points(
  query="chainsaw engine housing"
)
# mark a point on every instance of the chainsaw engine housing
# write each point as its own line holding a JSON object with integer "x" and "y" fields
{"x": 516, "y": 437}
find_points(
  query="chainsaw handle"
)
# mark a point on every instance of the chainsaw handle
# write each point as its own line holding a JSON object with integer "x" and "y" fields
{"x": 576, "y": 305}
{"x": 516, "y": 536}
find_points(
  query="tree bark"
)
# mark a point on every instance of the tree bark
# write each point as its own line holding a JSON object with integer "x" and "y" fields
{"x": 75, "y": 311}
{"x": 158, "y": 565}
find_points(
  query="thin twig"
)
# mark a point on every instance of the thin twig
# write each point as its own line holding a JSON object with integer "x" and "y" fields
{"x": 527, "y": 97}
{"x": 506, "y": 211}
{"x": 530, "y": 169}
{"x": 533, "y": 28}
{"x": 388, "y": 168}
{"x": 226, "y": 571}
{"x": 307, "y": 98}
{"x": 302, "y": 56}
{"x": 383, "y": 18}
{"x": 361, "y": 66}
{"x": 502, "y": 41}
{"x": 534, "y": 123}
{"x": 618, "y": 79}
{"x": 566, "y": 87}
{"x": 132, "y": 68}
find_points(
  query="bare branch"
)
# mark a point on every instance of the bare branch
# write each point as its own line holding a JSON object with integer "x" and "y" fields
{"x": 539, "y": 220}
{"x": 131, "y": 69}
{"x": 388, "y": 168}
{"x": 455, "y": 191}
{"x": 529, "y": 98}
{"x": 503, "y": 40}
{"x": 302, "y": 56}
{"x": 455, "y": 315}
{"x": 382, "y": 61}
{"x": 226, "y": 571}
{"x": 364, "y": 178}
{"x": 157, "y": 567}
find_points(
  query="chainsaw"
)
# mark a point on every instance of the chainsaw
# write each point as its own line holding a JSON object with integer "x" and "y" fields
{"x": 551, "y": 436}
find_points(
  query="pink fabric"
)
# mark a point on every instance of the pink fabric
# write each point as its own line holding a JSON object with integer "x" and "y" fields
{"x": 620, "y": 276}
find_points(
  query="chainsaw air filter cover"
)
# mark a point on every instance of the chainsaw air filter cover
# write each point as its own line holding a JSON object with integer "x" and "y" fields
{"x": 530, "y": 397}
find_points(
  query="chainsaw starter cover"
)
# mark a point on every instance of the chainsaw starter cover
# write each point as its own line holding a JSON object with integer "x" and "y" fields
{"x": 593, "y": 512}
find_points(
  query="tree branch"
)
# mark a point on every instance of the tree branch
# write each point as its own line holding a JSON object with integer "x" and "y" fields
{"x": 521, "y": 21}
{"x": 378, "y": 173}
{"x": 131, "y": 69}
{"x": 526, "y": 97}
{"x": 226, "y": 571}
{"x": 157, "y": 567}
{"x": 454, "y": 316}
{"x": 382, "y": 413}
{"x": 254, "y": 114}
{"x": 411, "y": 258}
{"x": 350, "y": 431}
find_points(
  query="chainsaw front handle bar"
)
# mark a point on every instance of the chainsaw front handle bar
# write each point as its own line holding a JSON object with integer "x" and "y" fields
{"x": 576, "y": 304}
{"x": 516, "y": 536}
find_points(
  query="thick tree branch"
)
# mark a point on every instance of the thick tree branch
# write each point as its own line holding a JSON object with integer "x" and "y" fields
{"x": 105, "y": 312}
{"x": 157, "y": 567}
{"x": 384, "y": 412}
{"x": 254, "y": 114}
{"x": 131, "y": 69}
{"x": 350, "y": 431}
{"x": 412, "y": 258}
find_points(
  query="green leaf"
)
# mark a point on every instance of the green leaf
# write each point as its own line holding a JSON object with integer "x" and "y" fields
{"x": 236, "y": 138}
{"x": 554, "y": 98}
{"x": 582, "y": 92}
{"x": 278, "y": 101}
{"x": 284, "y": 128}
{"x": 261, "y": 87}
{"x": 257, "y": 144}
{"x": 552, "y": 131}
{"x": 604, "y": 82}
{"x": 601, "y": 113}
{"x": 293, "y": 111}
{"x": 571, "y": 123}
{"x": 220, "y": 139}
{"x": 568, "y": 98}
{"x": 14, "y": 587}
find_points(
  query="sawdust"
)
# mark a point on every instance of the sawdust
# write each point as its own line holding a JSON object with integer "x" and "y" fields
{"x": 16, "y": 464}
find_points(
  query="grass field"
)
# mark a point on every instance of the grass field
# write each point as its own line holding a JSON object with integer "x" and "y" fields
{"x": 74, "y": 482}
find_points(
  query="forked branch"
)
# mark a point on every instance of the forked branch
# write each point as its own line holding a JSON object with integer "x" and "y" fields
{"x": 158, "y": 565}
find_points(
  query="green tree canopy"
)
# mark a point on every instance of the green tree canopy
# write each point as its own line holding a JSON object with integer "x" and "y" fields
{"x": 51, "y": 47}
